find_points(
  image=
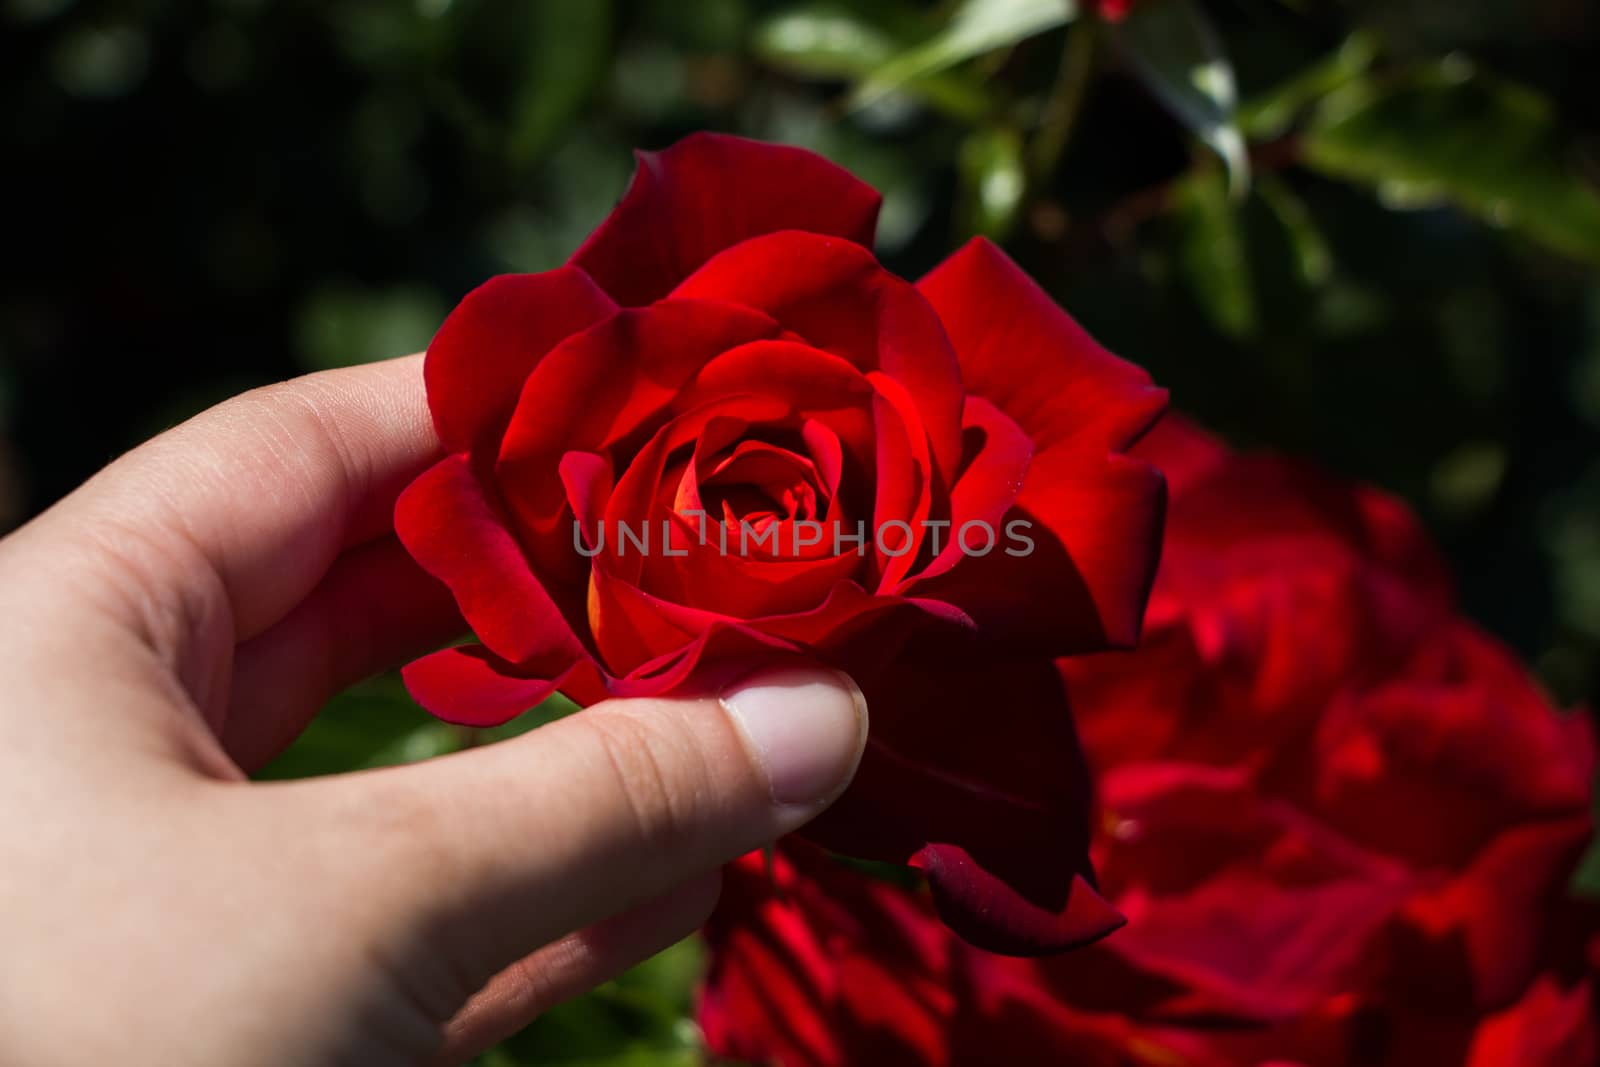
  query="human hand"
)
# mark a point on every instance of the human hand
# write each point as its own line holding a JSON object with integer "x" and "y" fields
{"x": 177, "y": 621}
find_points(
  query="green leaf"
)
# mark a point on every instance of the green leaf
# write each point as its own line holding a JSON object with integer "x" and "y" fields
{"x": 993, "y": 181}
{"x": 823, "y": 41}
{"x": 1212, "y": 252}
{"x": 819, "y": 41}
{"x": 1272, "y": 113}
{"x": 341, "y": 324}
{"x": 1313, "y": 258}
{"x": 1444, "y": 132}
{"x": 975, "y": 28}
{"x": 530, "y": 67}
{"x": 1177, "y": 53}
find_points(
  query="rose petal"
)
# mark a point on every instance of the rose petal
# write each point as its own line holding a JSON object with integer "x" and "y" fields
{"x": 451, "y": 527}
{"x": 708, "y": 192}
{"x": 1549, "y": 1027}
{"x": 973, "y": 773}
{"x": 987, "y": 487}
{"x": 1020, "y": 351}
{"x": 602, "y": 387}
{"x": 492, "y": 341}
{"x": 470, "y": 686}
{"x": 1075, "y": 575}
{"x": 1256, "y": 909}
{"x": 837, "y": 297}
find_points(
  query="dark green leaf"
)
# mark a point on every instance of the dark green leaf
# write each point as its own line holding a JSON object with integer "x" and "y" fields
{"x": 535, "y": 64}
{"x": 1272, "y": 113}
{"x": 975, "y": 28}
{"x": 993, "y": 181}
{"x": 1445, "y": 132}
{"x": 1172, "y": 45}
{"x": 822, "y": 41}
{"x": 1312, "y": 257}
{"x": 1212, "y": 252}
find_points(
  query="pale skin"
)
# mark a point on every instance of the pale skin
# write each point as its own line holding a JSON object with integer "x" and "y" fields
{"x": 172, "y": 625}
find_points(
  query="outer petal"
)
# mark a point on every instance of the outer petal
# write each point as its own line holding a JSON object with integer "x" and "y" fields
{"x": 1080, "y": 579}
{"x": 1257, "y": 909}
{"x": 1429, "y": 765}
{"x": 1550, "y": 1027}
{"x": 972, "y": 772}
{"x": 491, "y": 342}
{"x": 815, "y": 964}
{"x": 454, "y": 530}
{"x": 709, "y": 192}
{"x": 1021, "y": 352}
{"x": 1480, "y": 935}
{"x": 470, "y": 686}
{"x": 1096, "y": 516}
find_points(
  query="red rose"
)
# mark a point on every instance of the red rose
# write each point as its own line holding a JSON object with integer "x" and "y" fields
{"x": 1113, "y": 10}
{"x": 1340, "y": 819}
{"x": 723, "y": 430}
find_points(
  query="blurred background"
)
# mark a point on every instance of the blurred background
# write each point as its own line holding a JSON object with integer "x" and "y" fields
{"x": 1367, "y": 231}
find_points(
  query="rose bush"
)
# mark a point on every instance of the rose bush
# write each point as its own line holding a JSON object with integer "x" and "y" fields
{"x": 724, "y": 430}
{"x": 1340, "y": 819}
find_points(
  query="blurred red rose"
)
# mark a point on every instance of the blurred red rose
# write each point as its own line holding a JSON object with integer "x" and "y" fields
{"x": 1113, "y": 10}
{"x": 724, "y": 430}
{"x": 1340, "y": 819}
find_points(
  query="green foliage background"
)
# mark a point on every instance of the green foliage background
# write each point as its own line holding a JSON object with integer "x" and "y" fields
{"x": 1363, "y": 230}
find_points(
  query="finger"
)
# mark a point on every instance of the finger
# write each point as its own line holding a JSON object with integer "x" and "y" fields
{"x": 374, "y": 609}
{"x": 248, "y": 503}
{"x": 495, "y": 852}
{"x": 576, "y": 964}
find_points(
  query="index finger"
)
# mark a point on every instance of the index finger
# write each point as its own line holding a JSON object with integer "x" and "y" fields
{"x": 248, "y": 503}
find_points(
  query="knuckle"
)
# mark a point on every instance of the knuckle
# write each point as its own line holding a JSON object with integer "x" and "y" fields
{"x": 662, "y": 776}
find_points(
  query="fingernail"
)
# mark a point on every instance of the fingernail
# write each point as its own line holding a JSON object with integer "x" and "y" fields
{"x": 806, "y": 726}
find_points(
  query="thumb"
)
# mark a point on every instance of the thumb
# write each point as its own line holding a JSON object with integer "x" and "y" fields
{"x": 489, "y": 854}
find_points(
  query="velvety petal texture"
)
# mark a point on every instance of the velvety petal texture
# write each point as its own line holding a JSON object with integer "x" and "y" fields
{"x": 1339, "y": 820}
{"x": 708, "y": 192}
{"x": 724, "y": 430}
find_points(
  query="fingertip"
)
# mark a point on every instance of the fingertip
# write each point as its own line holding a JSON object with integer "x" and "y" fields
{"x": 804, "y": 726}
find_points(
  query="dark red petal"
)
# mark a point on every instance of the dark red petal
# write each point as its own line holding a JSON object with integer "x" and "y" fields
{"x": 708, "y": 192}
{"x": 452, "y": 528}
{"x": 837, "y": 297}
{"x": 1182, "y": 451}
{"x": 1458, "y": 748}
{"x": 987, "y": 487}
{"x": 1549, "y": 1027}
{"x": 906, "y": 482}
{"x": 588, "y": 481}
{"x": 972, "y": 772}
{"x": 1254, "y": 908}
{"x": 1019, "y": 350}
{"x": 1095, "y": 532}
{"x": 491, "y": 342}
{"x": 470, "y": 686}
{"x": 1481, "y": 932}
{"x": 813, "y": 963}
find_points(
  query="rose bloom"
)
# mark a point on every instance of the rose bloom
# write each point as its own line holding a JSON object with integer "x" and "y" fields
{"x": 723, "y": 358}
{"x": 1341, "y": 821}
{"x": 1113, "y": 10}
